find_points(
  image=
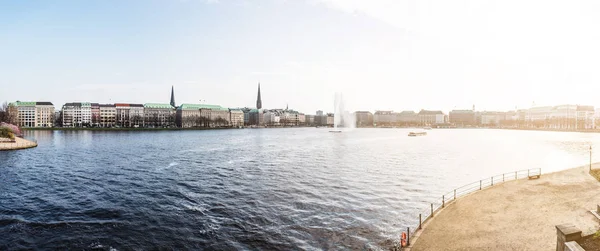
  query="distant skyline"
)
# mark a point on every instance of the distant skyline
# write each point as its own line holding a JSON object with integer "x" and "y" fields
{"x": 382, "y": 54}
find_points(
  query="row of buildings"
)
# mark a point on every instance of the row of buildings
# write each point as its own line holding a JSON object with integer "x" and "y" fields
{"x": 575, "y": 117}
{"x": 158, "y": 115}
{"x": 150, "y": 115}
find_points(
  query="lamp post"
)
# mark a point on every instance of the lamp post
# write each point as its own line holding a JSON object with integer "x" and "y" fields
{"x": 590, "y": 158}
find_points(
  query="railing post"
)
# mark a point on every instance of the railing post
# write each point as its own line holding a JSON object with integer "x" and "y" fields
{"x": 527, "y": 173}
{"x": 492, "y": 180}
{"x": 431, "y": 210}
{"x": 408, "y": 236}
{"x": 454, "y": 194}
{"x": 479, "y": 184}
{"x": 420, "y": 221}
{"x": 515, "y": 175}
{"x": 502, "y": 177}
{"x": 443, "y": 201}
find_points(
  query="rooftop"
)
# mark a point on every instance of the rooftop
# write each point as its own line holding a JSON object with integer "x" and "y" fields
{"x": 201, "y": 106}
{"x": 158, "y": 106}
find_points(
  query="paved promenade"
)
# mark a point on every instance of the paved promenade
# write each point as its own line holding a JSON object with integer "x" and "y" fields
{"x": 516, "y": 215}
{"x": 19, "y": 144}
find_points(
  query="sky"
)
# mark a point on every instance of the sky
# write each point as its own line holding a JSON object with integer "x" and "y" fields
{"x": 381, "y": 54}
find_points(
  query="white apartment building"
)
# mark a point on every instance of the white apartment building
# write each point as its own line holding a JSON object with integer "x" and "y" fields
{"x": 25, "y": 113}
{"x": 77, "y": 114}
{"x": 34, "y": 114}
{"x": 236, "y": 117}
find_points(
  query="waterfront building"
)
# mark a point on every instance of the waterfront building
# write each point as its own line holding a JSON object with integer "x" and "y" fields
{"x": 95, "y": 107}
{"x": 77, "y": 114}
{"x": 256, "y": 117}
{"x": 301, "y": 119}
{"x": 330, "y": 118}
{"x": 236, "y": 117}
{"x": 585, "y": 117}
{"x": 563, "y": 117}
{"x": 219, "y": 116}
{"x": 272, "y": 117}
{"x": 428, "y": 118}
{"x": 201, "y": 115}
{"x": 463, "y": 118}
{"x": 319, "y": 113}
{"x": 289, "y": 118}
{"x": 246, "y": 111}
{"x": 44, "y": 114}
{"x": 25, "y": 114}
{"x": 407, "y": 118}
{"x": 492, "y": 118}
{"x": 364, "y": 119}
{"x": 122, "y": 115}
{"x": 384, "y": 118}
{"x": 310, "y": 120}
{"x": 33, "y": 114}
{"x": 108, "y": 115}
{"x": 159, "y": 115}
{"x": 596, "y": 118}
{"x": 136, "y": 115}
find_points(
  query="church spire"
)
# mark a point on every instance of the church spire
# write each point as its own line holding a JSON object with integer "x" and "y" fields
{"x": 173, "y": 96}
{"x": 258, "y": 99}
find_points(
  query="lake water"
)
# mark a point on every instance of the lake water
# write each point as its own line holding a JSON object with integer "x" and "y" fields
{"x": 251, "y": 189}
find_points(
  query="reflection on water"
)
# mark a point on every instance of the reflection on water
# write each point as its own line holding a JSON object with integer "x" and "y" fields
{"x": 251, "y": 189}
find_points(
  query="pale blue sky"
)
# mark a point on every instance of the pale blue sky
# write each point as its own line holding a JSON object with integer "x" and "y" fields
{"x": 383, "y": 54}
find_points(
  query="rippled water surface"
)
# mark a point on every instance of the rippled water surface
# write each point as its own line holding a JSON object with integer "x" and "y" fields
{"x": 261, "y": 189}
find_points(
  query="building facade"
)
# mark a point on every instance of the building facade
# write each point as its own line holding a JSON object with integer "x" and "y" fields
{"x": 384, "y": 118}
{"x": 462, "y": 118}
{"x": 136, "y": 115}
{"x": 159, "y": 115}
{"x": 108, "y": 115}
{"x": 95, "y": 114}
{"x": 431, "y": 118}
{"x": 77, "y": 114}
{"x": 32, "y": 114}
{"x": 25, "y": 113}
{"x": 236, "y": 117}
{"x": 364, "y": 119}
{"x": 407, "y": 118}
{"x": 201, "y": 115}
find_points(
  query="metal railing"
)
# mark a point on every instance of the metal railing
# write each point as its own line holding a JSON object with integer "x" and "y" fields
{"x": 468, "y": 189}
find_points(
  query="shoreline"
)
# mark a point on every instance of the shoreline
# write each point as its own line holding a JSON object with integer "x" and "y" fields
{"x": 19, "y": 144}
{"x": 145, "y": 129}
{"x": 516, "y": 215}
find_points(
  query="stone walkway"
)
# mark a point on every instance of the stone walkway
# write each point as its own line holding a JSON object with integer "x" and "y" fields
{"x": 19, "y": 144}
{"x": 517, "y": 215}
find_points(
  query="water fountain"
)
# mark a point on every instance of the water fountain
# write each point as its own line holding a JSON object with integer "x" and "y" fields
{"x": 342, "y": 118}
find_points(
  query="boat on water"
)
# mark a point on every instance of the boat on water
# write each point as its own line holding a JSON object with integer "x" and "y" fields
{"x": 336, "y": 131}
{"x": 414, "y": 134}
{"x": 427, "y": 128}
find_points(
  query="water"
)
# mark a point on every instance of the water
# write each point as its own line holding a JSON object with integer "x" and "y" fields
{"x": 262, "y": 189}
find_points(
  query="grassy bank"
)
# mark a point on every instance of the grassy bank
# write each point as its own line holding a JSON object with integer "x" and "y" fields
{"x": 595, "y": 173}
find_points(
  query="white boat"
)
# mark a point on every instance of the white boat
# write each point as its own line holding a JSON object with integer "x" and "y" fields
{"x": 427, "y": 128}
{"x": 414, "y": 134}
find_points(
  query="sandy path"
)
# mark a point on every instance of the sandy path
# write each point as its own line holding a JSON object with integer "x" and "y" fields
{"x": 19, "y": 144}
{"x": 517, "y": 215}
